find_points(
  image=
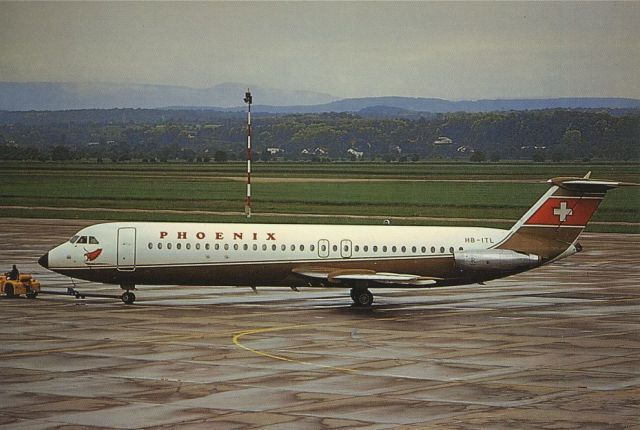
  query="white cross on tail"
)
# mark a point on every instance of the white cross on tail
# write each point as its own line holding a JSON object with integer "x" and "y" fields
{"x": 563, "y": 212}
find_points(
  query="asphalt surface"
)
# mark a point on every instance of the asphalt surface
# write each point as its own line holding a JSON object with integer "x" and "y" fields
{"x": 557, "y": 347}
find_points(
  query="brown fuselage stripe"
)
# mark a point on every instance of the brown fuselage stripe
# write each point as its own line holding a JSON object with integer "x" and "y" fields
{"x": 278, "y": 273}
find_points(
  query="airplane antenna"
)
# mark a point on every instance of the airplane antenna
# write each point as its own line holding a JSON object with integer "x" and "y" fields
{"x": 247, "y": 205}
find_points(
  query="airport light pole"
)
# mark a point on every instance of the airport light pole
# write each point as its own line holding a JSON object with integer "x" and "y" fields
{"x": 247, "y": 204}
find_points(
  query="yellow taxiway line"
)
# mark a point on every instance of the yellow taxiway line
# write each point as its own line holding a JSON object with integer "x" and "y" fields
{"x": 237, "y": 336}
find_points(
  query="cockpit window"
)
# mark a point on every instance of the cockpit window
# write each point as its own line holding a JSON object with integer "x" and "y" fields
{"x": 74, "y": 239}
{"x": 93, "y": 240}
{"x": 82, "y": 239}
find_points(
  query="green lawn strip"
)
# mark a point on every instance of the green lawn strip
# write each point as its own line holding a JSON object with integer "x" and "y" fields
{"x": 178, "y": 187}
{"x": 274, "y": 207}
{"x": 393, "y": 192}
{"x": 443, "y": 170}
{"x": 122, "y": 188}
{"x": 256, "y": 218}
{"x": 457, "y": 200}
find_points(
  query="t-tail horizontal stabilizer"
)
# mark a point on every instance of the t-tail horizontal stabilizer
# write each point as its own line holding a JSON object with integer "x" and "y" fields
{"x": 551, "y": 227}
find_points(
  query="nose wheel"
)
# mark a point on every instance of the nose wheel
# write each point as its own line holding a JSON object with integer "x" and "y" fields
{"x": 128, "y": 297}
{"x": 361, "y": 297}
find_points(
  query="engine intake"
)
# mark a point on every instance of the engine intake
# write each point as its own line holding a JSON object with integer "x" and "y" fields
{"x": 495, "y": 260}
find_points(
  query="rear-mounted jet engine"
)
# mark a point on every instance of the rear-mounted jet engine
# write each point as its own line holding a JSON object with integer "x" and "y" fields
{"x": 502, "y": 260}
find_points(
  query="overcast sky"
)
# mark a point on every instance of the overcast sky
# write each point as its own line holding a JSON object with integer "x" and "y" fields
{"x": 449, "y": 50}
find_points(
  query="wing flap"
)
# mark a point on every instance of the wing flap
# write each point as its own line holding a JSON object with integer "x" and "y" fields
{"x": 337, "y": 275}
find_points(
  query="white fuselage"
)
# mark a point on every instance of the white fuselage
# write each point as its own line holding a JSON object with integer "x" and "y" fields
{"x": 201, "y": 254}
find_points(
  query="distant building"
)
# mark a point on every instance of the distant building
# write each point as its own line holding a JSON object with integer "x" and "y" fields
{"x": 274, "y": 151}
{"x": 318, "y": 151}
{"x": 357, "y": 154}
{"x": 443, "y": 140}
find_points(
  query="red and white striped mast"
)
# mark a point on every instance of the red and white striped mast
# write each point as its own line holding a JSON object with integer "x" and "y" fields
{"x": 247, "y": 204}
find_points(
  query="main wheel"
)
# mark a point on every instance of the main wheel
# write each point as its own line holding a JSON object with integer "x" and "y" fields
{"x": 8, "y": 289}
{"x": 128, "y": 297}
{"x": 362, "y": 298}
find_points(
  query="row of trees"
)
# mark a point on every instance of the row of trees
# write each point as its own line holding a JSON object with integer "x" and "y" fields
{"x": 550, "y": 134}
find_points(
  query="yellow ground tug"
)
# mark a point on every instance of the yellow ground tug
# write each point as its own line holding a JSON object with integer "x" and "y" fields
{"x": 25, "y": 285}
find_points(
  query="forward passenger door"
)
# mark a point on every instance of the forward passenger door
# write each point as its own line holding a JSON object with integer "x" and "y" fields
{"x": 126, "y": 249}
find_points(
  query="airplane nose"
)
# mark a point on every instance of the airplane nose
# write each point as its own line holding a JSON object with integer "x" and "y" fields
{"x": 44, "y": 261}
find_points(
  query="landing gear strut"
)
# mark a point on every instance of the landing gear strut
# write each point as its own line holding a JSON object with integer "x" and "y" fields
{"x": 361, "y": 297}
{"x": 128, "y": 297}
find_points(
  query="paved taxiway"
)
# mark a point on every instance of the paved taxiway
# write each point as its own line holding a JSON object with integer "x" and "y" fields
{"x": 558, "y": 347}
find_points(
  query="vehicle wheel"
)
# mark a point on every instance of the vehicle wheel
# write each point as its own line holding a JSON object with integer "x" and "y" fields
{"x": 363, "y": 298}
{"x": 8, "y": 289}
{"x": 32, "y": 295}
{"x": 128, "y": 297}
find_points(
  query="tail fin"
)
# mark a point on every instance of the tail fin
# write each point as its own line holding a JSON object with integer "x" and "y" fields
{"x": 552, "y": 225}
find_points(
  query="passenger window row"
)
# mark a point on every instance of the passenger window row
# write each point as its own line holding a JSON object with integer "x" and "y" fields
{"x": 302, "y": 248}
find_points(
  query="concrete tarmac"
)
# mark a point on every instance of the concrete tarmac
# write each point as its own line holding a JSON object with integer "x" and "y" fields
{"x": 557, "y": 347}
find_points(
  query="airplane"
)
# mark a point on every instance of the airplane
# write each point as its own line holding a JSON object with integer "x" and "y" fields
{"x": 358, "y": 257}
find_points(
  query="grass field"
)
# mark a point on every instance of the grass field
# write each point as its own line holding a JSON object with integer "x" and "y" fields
{"x": 361, "y": 170}
{"x": 478, "y": 191}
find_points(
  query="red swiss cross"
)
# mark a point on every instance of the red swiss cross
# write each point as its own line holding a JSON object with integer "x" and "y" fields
{"x": 570, "y": 211}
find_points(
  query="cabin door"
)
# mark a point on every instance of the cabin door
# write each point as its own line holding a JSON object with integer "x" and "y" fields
{"x": 127, "y": 249}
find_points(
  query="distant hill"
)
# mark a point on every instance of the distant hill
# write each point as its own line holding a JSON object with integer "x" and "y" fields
{"x": 411, "y": 104}
{"x": 15, "y": 96}
{"x": 18, "y": 96}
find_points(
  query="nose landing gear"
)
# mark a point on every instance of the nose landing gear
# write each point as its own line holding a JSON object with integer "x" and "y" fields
{"x": 128, "y": 297}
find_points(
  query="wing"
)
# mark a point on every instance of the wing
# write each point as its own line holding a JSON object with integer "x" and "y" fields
{"x": 347, "y": 276}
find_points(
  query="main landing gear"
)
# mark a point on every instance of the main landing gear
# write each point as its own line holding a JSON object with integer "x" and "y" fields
{"x": 128, "y": 297}
{"x": 361, "y": 297}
